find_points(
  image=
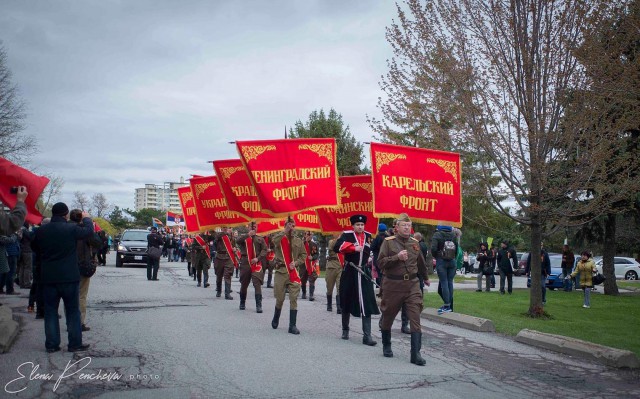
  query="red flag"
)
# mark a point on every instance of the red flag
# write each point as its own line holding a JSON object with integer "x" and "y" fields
{"x": 426, "y": 184}
{"x": 96, "y": 228}
{"x": 236, "y": 187}
{"x": 292, "y": 175}
{"x": 305, "y": 220}
{"x": 12, "y": 175}
{"x": 211, "y": 207}
{"x": 188, "y": 209}
{"x": 356, "y": 194}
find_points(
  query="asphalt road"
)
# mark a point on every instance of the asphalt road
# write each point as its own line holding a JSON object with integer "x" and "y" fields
{"x": 170, "y": 339}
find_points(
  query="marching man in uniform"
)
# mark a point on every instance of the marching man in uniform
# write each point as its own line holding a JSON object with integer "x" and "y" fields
{"x": 253, "y": 249}
{"x": 309, "y": 272}
{"x": 225, "y": 261}
{"x": 201, "y": 258}
{"x": 289, "y": 258}
{"x": 401, "y": 260}
{"x": 357, "y": 296}
{"x": 335, "y": 261}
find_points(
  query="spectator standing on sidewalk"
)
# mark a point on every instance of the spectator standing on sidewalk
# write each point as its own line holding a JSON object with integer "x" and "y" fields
{"x": 86, "y": 263}
{"x": 444, "y": 248}
{"x": 12, "y": 248}
{"x": 9, "y": 224}
{"x": 55, "y": 244}
{"x": 25, "y": 262}
{"x": 36, "y": 295}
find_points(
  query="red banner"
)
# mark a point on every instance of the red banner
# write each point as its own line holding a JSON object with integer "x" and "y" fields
{"x": 237, "y": 189}
{"x": 266, "y": 227}
{"x": 188, "y": 209}
{"x": 292, "y": 175}
{"x": 12, "y": 175}
{"x": 426, "y": 184}
{"x": 211, "y": 207}
{"x": 306, "y": 220}
{"x": 356, "y": 197}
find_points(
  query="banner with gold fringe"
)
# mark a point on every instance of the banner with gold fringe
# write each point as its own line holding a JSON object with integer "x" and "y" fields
{"x": 211, "y": 207}
{"x": 292, "y": 175}
{"x": 356, "y": 197}
{"x": 188, "y": 209}
{"x": 426, "y": 184}
{"x": 237, "y": 189}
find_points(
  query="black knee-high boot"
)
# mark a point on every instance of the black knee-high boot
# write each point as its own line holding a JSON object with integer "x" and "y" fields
{"x": 345, "y": 325}
{"x": 293, "y": 315}
{"x": 416, "y": 345}
{"x": 386, "y": 343}
{"x": 366, "y": 331}
{"x": 329, "y": 299}
{"x": 276, "y": 318}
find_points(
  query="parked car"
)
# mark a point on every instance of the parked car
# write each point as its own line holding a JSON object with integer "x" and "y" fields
{"x": 132, "y": 247}
{"x": 555, "y": 279}
{"x": 522, "y": 263}
{"x": 625, "y": 268}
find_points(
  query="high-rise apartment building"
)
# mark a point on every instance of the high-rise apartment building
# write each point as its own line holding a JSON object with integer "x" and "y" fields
{"x": 162, "y": 197}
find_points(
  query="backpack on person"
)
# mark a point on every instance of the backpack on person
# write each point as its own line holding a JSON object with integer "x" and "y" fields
{"x": 449, "y": 250}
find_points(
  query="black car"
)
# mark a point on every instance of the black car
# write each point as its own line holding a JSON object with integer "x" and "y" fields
{"x": 132, "y": 247}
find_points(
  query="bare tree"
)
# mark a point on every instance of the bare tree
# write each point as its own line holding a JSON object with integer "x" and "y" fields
{"x": 50, "y": 194}
{"x": 498, "y": 74}
{"x": 80, "y": 201}
{"x": 13, "y": 143}
{"x": 100, "y": 205}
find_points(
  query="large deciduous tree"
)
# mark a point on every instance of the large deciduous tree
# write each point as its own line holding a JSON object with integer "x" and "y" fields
{"x": 350, "y": 153}
{"x": 610, "y": 57}
{"x": 497, "y": 76}
{"x": 14, "y": 144}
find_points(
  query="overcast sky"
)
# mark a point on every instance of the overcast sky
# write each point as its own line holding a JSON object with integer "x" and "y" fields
{"x": 123, "y": 93}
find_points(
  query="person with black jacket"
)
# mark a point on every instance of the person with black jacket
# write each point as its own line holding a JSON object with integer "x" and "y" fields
{"x": 507, "y": 263}
{"x": 444, "y": 247}
{"x": 55, "y": 244}
{"x": 153, "y": 264}
{"x": 485, "y": 262}
{"x": 545, "y": 271}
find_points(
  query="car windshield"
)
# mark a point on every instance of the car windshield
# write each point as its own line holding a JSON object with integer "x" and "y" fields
{"x": 135, "y": 236}
{"x": 556, "y": 261}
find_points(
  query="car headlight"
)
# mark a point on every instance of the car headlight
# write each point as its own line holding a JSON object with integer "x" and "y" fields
{"x": 122, "y": 248}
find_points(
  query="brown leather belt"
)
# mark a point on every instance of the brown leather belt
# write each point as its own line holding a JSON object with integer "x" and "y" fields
{"x": 405, "y": 276}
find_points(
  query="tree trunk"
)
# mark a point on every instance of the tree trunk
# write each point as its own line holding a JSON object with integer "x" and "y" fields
{"x": 536, "y": 308}
{"x": 608, "y": 253}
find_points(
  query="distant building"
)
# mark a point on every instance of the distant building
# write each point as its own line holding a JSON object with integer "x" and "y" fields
{"x": 161, "y": 197}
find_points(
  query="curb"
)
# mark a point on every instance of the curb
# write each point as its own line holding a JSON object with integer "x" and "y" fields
{"x": 8, "y": 328}
{"x": 460, "y": 320}
{"x": 575, "y": 347}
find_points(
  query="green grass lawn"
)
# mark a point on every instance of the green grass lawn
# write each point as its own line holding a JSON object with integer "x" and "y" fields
{"x": 611, "y": 321}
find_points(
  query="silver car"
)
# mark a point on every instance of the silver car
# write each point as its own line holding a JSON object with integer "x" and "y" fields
{"x": 625, "y": 268}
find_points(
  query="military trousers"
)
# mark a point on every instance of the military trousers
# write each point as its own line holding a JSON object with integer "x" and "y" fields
{"x": 246, "y": 277}
{"x": 281, "y": 283}
{"x": 332, "y": 278}
{"x": 392, "y": 302}
{"x": 305, "y": 276}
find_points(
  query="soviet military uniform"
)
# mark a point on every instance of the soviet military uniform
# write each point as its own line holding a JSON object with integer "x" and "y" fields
{"x": 201, "y": 261}
{"x": 223, "y": 264}
{"x": 332, "y": 276}
{"x": 282, "y": 278}
{"x": 401, "y": 286}
{"x": 311, "y": 249}
{"x": 246, "y": 275}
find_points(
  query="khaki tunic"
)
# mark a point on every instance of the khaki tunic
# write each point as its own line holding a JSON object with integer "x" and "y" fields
{"x": 246, "y": 276}
{"x": 396, "y": 292}
{"x": 282, "y": 281}
{"x": 223, "y": 265}
{"x": 334, "y": 270}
